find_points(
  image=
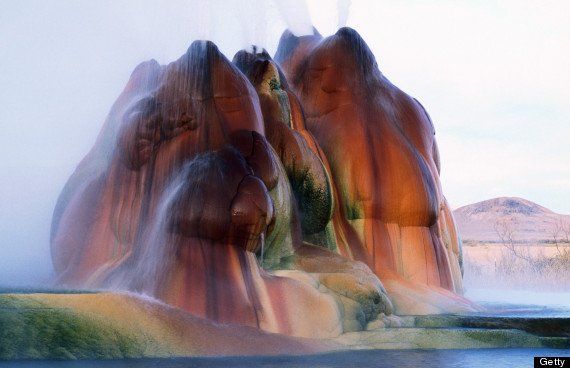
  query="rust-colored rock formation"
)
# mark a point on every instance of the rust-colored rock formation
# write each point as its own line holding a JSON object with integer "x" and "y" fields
{"x": 275, "y": 199}
{"x": 384, "y": 161}
{"x": 180, "y": 192}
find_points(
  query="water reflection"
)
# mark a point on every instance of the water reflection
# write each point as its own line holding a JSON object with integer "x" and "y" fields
{"x": 364, "y": 358}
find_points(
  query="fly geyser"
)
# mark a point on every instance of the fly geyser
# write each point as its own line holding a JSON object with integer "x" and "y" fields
{"x": 299, "y": 195}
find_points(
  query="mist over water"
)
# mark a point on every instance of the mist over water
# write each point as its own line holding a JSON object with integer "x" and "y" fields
{"x": 534, "y": 297}
{"x": 501, "y": 280}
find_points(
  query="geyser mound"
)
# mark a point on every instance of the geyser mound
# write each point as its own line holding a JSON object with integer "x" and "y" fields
{"x": 273, "y": 194}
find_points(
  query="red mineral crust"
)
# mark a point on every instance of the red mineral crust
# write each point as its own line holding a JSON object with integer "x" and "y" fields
{"x": 304, "y": 200}
{"x": 380, "y": 145}
{"x": 323, "y": 223}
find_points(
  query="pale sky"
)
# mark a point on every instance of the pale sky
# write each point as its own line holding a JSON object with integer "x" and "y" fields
{"x": 493, "y": 75}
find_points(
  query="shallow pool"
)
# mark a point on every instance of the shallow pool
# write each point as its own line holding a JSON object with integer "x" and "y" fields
{"x": 364, "y": 358}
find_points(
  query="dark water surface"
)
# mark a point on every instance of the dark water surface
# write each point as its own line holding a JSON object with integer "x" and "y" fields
{"x": 363, "y": 358}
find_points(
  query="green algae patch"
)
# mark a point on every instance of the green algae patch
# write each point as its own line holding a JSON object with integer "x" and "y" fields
{"x": 114, "y": 326}
{"x": 29, "y": 329}
{"x": 40, "y": 333}
{"x": 446, "y": 338}
{"x": 504, "y": 338}
{"x": 123, "y": 325}
{"x": 556, "y": 342}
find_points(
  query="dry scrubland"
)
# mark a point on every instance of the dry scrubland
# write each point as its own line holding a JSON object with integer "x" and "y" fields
{"x": 515, "y": 243}
{"x": 544, "y": 266}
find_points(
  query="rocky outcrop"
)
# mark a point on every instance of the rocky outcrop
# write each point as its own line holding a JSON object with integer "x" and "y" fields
{"x": 384, "y": 162}
{"x": 272, "y": 198}
{"x": 185, "y": 194}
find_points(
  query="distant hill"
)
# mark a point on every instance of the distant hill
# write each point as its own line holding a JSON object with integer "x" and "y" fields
{"x": 529, "y": 221}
